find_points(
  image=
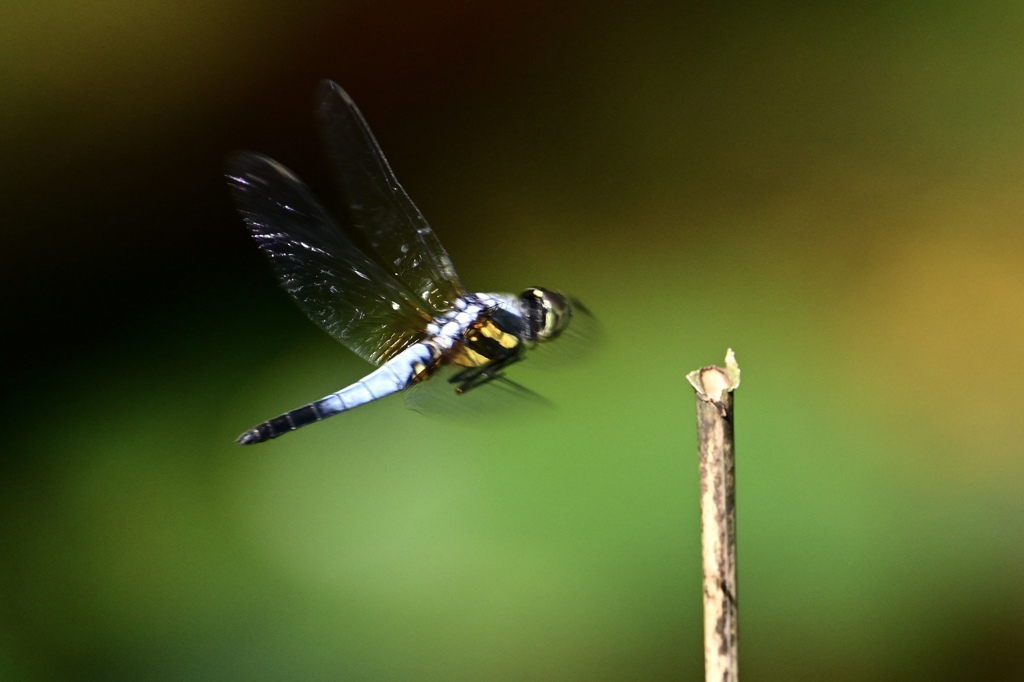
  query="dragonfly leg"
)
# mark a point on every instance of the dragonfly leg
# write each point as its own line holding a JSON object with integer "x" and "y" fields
{"x": 474, "y": 377}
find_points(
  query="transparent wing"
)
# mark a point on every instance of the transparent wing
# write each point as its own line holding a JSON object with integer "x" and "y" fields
{"x": 337, "y": 286}
{"x": 396, "y": 230}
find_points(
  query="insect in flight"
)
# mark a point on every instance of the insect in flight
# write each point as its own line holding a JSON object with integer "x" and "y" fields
{"x": 397, "y": 304}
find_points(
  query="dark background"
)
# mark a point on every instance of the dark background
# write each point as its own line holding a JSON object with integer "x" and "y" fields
{"x": 833, "y": 192}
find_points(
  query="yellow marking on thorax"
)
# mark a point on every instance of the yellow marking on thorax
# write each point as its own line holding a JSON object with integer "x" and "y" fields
{"x": 491, "y": 331}
{"x": 467, "y": 357}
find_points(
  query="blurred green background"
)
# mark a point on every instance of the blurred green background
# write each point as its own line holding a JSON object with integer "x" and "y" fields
{"x": 834, "y": 192}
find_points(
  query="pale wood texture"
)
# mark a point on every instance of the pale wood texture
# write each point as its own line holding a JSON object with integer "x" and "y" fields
{"x": 718, "y": 516}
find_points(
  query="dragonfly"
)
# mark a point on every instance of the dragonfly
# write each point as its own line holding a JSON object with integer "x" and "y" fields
{"x": 385, "y": 286}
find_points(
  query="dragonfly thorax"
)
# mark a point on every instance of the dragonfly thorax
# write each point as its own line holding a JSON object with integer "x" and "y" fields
{"x": 498, "y": 328}
{"x": 483, "y": 329}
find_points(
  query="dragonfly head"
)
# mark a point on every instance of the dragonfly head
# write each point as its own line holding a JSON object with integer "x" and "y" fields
{"x": 548, "y": 312}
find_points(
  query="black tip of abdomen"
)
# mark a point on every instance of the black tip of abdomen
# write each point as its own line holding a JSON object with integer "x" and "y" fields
{"x": 252, "y": 436}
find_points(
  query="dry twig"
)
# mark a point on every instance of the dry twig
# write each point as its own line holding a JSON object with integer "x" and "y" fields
{"x": 715, "y": 387}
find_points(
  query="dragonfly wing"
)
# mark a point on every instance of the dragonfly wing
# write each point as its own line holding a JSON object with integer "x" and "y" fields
{"x": 337, "y": 285}
{"x": 403, "y": 242}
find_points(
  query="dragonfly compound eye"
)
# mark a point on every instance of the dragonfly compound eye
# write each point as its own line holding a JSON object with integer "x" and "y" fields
{"x": 548, "y": 312}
